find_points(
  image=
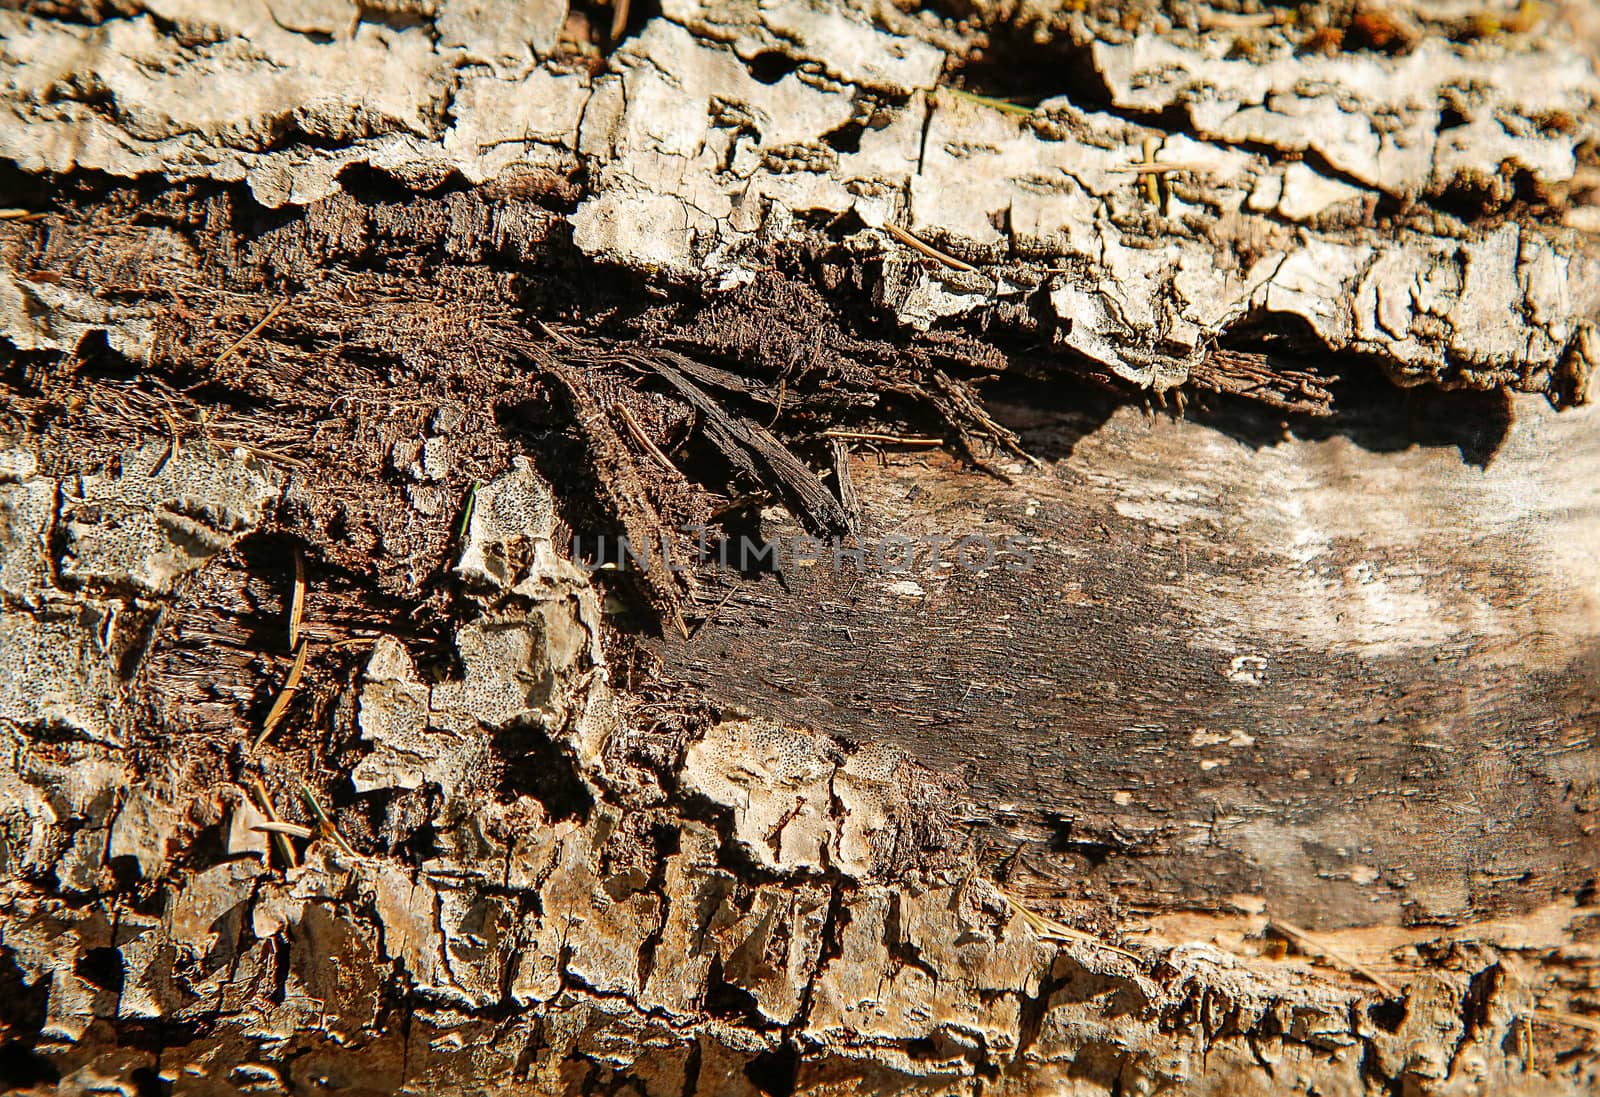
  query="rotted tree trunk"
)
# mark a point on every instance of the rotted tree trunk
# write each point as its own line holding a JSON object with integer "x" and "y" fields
{"x": 734, "y": 548}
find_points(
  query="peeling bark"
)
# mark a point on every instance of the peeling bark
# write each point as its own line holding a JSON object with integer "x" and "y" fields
{"x": 1274, "y": 771}
{"x": 1315, "y": 188}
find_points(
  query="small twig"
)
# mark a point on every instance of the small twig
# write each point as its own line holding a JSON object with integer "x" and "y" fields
{"x": 251, "y": 334}
{"x": 285, "y": 695}
{"x": 280, "y": 841}
{"x": 297, "y": 601}
{"x": 1050, "y": 928}
{"x": 638, "y": 435}
{"x": 619, "y": 19}
{"x": 497, "y": 142}
{"x": 19, "y": 215}
{"x": 889, "y": 439}
{"x": 325, "y": 825}
{"x": 927, "y": 249}
{"x": 1318, "y": 950}
{"x": 293, "y": 830}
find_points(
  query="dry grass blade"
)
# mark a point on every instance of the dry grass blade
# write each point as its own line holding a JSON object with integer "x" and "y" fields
{"x": 297, "y": 602}
{"x": 887, "y": 439}
{"x": 708, "y": 618}
{"x": 1317, "y": 950}
{"x": 280, "y": 841}
{"x": 1162, "y": 167}
{"x": 325, "y": 825}
{"x": 173, "y": 437}
{"x": 252, "y": 333}
{"x": 926, "y": 248}
{"x": 1566, "y": 1017}
{"x": 468, "y": 508}
{"x": 777, "y": 411}
{"x": 1052, "y": 929}
{"x": 990, "y": 101}
{"x": 285, "y": 695}
{"x": 555, "y": 336}
{"x": 19, "y": 215}
{"x": 1152, "y": 183}
{"x": 619, "y": 19}
{"x": 271, "y": 455}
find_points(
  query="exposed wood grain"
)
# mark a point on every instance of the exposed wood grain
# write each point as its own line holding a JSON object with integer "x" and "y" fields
{"x": 1348, "y": 670}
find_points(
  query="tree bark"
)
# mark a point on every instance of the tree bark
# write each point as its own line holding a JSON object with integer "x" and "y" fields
{"x": 1112, "y": 608}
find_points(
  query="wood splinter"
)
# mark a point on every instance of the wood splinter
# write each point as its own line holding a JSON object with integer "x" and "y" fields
{"x": 844, "y": 482}
{"x": 1152, "y": 178}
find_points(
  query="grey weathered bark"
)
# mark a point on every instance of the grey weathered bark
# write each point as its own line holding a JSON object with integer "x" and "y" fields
{"x": 1263, "y": 758}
